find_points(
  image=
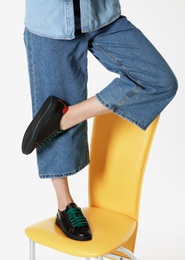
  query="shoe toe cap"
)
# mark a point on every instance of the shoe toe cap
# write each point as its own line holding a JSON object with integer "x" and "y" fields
{"x": 83, "y": 232}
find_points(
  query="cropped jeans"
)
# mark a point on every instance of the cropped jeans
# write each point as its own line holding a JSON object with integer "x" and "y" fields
{"x": 144, "y": 86}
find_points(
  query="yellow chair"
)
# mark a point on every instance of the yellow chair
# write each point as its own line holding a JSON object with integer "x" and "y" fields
{"x": 119, "y": 152}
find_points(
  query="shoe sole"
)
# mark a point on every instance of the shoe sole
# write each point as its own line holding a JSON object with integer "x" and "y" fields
{"x": 29, "y": 139}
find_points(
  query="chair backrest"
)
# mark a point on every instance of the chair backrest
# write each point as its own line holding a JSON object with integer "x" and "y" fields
{"x": 118, "y": 156}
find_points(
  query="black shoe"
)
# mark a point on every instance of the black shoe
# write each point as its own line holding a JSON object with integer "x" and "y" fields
{"x": 73, "y": 223}
{"x": 45, "y": 125}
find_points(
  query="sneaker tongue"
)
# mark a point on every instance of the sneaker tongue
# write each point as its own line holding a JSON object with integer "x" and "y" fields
{"x": 71, "y": 205}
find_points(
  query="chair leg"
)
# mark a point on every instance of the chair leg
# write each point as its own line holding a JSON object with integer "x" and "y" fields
{"x": 100, "y": 258}
{"x": 31, "y": 250}
{"x": 127, "y": 252}
{"x": 122, "y": 250}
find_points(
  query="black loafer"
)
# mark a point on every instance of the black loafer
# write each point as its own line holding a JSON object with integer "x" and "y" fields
{"x": 45, "y": 125}
{"x": 73, "y": 223}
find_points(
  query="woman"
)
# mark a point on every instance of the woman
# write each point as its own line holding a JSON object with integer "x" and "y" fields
{"x": 58, "y": 35}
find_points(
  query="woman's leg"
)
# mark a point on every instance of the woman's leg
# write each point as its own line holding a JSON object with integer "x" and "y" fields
{"x": 62, "y": 192}
{"x": 82, "y": 111}
{"x": 70, "y": 218}
{"x": 146, "y": 84}
{"x": 53, "y": 73}
{"x": 63, "y": 74}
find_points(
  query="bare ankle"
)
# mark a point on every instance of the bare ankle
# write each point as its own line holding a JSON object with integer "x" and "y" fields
{"x": 62, "y": 206}
{"x": 81, "y": 112}
{"x": 66, "y": 121}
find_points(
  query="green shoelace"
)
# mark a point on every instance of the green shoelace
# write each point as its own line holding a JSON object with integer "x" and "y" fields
{"x": 76, "y": 217}
{"x": 50, "y": 138}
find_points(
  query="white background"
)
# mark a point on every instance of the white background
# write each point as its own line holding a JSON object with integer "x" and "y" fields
{"x": 24, "y": 198}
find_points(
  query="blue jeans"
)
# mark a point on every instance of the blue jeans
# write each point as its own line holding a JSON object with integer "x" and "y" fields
{"x": 144, "y": 86}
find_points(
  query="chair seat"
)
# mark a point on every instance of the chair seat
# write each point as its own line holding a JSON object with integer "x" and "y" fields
{"x": 110, "y": 230}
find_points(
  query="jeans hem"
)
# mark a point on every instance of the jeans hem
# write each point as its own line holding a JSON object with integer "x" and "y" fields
{"x": 62, "y": 175}
{"x": 120, "y": 113}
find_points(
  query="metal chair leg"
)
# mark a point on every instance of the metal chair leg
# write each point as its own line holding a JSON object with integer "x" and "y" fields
{"x": 98, "y": 258}
{"x": 31, "y": 250}
{"x": 127, "y": 252}
{"x": 122, "y": 250}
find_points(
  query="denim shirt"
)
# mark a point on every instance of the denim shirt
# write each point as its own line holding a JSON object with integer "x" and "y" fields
{"x": 55, "y": 18}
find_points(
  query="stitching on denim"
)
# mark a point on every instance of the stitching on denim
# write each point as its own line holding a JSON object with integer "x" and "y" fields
{"x": 129, "y": 95}
{"x": 120, "y": 113}
{"x": 33, "y": 78}
{"x": 129, "y": 74}
{"x": 67, "y": 17}
{"x": 62, "y": 175}
{"x": 111, "y": 57}
{"x": 133, "y": 59}
{"x": 51, "y": 36}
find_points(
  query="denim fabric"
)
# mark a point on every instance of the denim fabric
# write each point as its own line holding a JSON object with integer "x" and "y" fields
{"x": 144, "y": 86}
{"x": 55, "y": 19}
